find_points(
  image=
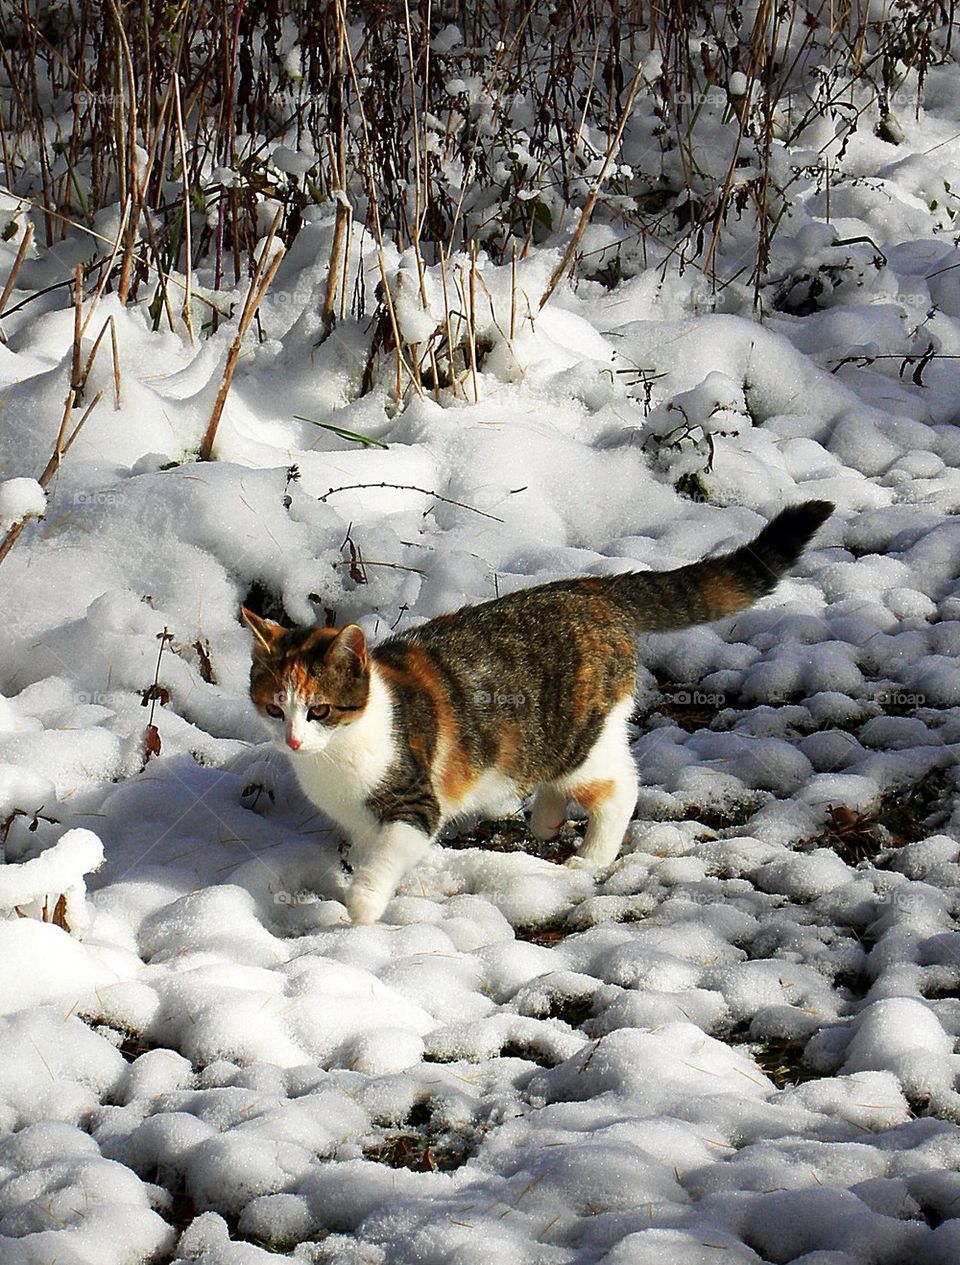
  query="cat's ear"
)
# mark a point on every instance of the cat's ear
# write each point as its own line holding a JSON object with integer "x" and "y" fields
{"x": 265, "y": 631}
{"x": 349, "y": 649}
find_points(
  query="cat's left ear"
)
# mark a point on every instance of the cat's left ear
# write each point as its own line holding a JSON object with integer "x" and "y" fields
{"x": 349, "y": 648}
{"x": 265, "y": 631}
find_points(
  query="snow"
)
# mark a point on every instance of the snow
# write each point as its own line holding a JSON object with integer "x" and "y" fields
{"x": 60, "y": 868}
{"x": 19, "y": 499}
{"x": 737, "y": 1042}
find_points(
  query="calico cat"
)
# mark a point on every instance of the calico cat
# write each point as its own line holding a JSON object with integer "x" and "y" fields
{"x": 531, "y": 691}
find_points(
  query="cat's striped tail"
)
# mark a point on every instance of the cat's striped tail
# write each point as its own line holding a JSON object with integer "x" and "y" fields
{"x": 660, "y": 600}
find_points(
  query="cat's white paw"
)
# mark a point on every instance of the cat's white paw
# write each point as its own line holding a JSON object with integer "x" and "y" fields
{"x": 365, "y": 904}
{"x": 577, "y": 862}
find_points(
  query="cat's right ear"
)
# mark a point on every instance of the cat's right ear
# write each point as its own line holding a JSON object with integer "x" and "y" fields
{"x": 349, "y": 650}
{"x": 265, "y": 631}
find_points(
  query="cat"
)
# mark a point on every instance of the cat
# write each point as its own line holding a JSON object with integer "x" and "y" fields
{"x": 531, "y": 691}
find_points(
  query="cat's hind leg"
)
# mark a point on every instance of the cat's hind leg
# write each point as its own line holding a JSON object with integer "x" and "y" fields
{"x": 605, "y": 785}
{"x": 549, "y": 812}
{"x": 609, "y": 803}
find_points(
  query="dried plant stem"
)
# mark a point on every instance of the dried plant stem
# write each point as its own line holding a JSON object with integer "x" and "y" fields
{"x": 185, "y": 311}
{"x": 448, "y": 326}
{"x": 130, "y": 145}
{"x": 464, "y": 290}
{"x": 492, "y": 306}
{"x": 110, "y": 324}
{"x": 116, "y": 364}
{"x": 61, "y": 449}
{"x": 10, "y": 539}
{"x": 374, "y": 211}
{"x": 418, "y": 190}
{"x": 227, "y": 149}
{"x": 395, "y": 328}
{"x": 17, "y": 264}
{"x": 513, "y": 293}
{"x": 344, "y": 215}
{"x": 348, "y": 238}
{"x": 472, "y": 291}
{"x": 591, "y": 201}
{"x": 409, "y": 487}
{"x": 108, "y": 268}
{"x": 77, "y": 342}
{"x": 421, "y": 185}
{"x": 259, "y": 285}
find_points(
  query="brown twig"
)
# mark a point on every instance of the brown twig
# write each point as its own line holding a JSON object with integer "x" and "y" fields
{"x": 409, "y": 487}
{"x": 12, "y": 278}
{"x": 446, "y": 318}
{"x": 612, "y": 148}
{"x": 259, "y": 285}
{"x": 336, "y": 259}
{"x": 130, "y": 146}
{"x": 64, "y": 441}
{"x": 151, "y": 696}
{"x": 51, "y": 468}
{"x": 81, "y": 383}
{"x": 185, "y": 311}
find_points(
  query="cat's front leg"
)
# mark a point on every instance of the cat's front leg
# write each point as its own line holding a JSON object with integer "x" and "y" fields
{"x": 382, "y": 864}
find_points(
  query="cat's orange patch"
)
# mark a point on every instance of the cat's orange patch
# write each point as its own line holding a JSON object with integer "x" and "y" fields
{"x": 508, "y": 751}
{"x": 295, "y": 671}
{"x": 455, "y": 772}
{"x": 592, "y": 794}
{"x": 295, "y": 666}
{"x": 267, "y": 684}
{"x": 599, "y": 640}
{"x": 457, "y": 776}
{"x": 319, "y": 637}
{"x": 723, "y": 594}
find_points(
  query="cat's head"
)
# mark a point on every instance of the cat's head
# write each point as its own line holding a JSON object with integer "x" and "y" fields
{"x": 307, "y": 683}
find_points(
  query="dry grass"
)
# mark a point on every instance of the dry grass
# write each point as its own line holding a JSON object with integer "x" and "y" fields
{"x": 504, "y": 138}
{"x": 901, "y": 817}
{"x": 187, "y": 129}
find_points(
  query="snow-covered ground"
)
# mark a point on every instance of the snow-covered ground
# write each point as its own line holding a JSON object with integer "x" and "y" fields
{"x": 735, "y": 1045}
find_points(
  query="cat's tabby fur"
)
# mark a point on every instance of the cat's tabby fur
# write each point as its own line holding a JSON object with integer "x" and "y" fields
{"x": 531, "y": 691}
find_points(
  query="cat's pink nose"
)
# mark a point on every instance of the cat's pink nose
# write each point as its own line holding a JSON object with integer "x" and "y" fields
{"x": 293, "y": 743}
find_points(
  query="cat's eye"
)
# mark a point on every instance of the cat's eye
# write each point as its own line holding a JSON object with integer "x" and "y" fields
{"x": 273, "y": 710}
{"x": 319, "y": 713}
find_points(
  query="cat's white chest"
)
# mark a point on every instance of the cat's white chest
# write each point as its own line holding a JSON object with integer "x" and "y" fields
{"x": 340, "y": 779}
